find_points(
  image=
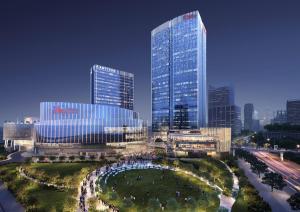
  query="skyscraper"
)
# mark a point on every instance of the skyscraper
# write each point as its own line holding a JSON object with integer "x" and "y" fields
{"x": 111, "y": 87}
{"x": 178, "y": 68}
{"x": 293, "y": 112}
{"x": 222, "y": 111}
{"x": 248, "y": 116}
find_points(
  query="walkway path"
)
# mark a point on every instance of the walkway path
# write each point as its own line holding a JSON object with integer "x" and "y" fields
{"x": 22, "y": 173}
{"x": 13, "y": 158}
{"x": 7, "y": 201}
{"x": 276, "y": 199}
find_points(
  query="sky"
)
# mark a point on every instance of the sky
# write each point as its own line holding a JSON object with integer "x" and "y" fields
{"x": 48, "y": 47}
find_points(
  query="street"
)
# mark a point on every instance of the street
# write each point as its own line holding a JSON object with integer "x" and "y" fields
{"x": 289, "y": 170}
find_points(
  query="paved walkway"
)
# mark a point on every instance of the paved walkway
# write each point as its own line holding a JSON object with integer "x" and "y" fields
{"x": 7, "y": 201}
{"x": 276, "y": 199}
{"x": 13, "y": 158}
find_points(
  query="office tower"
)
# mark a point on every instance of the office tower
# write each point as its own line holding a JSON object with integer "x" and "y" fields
{"x": 222, "y": 111}
{"x": 293, "y": 112}
{"x": 248, "y": 116}
{"x": 178, "y": 67}
{"x": 111, "y": 87}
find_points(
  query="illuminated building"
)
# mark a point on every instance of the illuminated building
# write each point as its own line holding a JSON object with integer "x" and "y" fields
{"x": 77, "y": 123}
{"x": 178, "y": 68}
{"x": 211, "y": 141}
{"x": 222, "y": 111}
{"x": 293, "y": 112}
{"x": 111, "y": 87}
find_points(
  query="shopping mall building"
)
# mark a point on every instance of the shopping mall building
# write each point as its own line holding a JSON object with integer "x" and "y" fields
{"x": 108, "y": 120}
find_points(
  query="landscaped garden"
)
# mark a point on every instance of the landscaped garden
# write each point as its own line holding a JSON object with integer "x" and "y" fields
{"x": 152, "y": 189}
{"x": 36, "y": 197}
{"x": 248, "y": 198}
{"x": 3, "y": 153}
{"x": 209, "y": 168}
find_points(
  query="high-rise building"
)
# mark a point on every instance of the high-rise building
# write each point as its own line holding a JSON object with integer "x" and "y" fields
{"x": 111, "y": 87}
{"x": 222, "y": 111}
{"x": 248, "y": 116}
{"x": 178, "y": 67}
{"x": 293, "y": 112}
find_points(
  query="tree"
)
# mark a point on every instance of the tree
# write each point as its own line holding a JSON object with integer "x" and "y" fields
{"x": 172, "y": 204}
{"x": 127, "y": 203}
{"x": 274, "y": 180}
{"x": 153, "y": 204}
{"x": 259, "y": 167}
{"x": 192, "y": 203}
{"x": 176, "y": 163}
{"x": 294, "y": 201}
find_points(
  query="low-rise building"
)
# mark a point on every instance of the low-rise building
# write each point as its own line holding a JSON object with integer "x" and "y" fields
{"x": 211, "y": 141}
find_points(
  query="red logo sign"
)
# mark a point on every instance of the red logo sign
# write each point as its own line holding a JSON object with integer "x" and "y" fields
{"x": 65, "y": 110}
{"x": 189, "y": 16}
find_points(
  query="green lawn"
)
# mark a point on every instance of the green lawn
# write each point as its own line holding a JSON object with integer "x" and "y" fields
{"x": 69, "y": 174}
{"x": 213, "y": 170}
{"x": 35, "y": 197}
{"x": 161, "y": 185}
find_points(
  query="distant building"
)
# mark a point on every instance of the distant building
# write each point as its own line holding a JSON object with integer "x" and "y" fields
{"x": 256, "y": 126}
{"x": 280, "y": 117}
{"x": 248, "y": 116}
{"x": 211, "y": 141}
{"x": 293, "y": 112}
{"x": 222, "y": 111}
{"x": 111, "y": 87}
{"x": 178, "y": 71}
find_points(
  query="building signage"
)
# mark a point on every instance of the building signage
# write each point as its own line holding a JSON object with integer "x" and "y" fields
{"x": 60, "y": 110}
{"x": 189, "y": 16}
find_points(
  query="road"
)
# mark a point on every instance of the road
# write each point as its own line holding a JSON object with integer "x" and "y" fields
{"x": 289, "y": 170}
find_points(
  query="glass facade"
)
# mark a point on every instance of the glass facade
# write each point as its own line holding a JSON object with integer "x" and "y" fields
{"x": 76, "y": 123}
{"x": 222, "y": 111}
{"x": 178, "y": 67}
{"x": 111, "y": 87}
{"x": 248, "y": 116}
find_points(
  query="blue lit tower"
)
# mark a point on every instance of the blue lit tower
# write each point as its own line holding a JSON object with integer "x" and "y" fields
{"x": 112, "y": 87}
{"x": 178, "y": 68}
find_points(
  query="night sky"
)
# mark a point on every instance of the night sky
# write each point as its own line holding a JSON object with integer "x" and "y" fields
{"x": 48, "y": 47}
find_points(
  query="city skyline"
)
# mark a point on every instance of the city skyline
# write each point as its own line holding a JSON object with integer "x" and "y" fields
{"x": 32, "y": 53}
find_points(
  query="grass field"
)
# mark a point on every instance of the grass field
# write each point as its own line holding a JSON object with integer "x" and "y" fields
{"x": 159, "y": 185}
{"x": 35, "y": 197}
{"x": 211, "y": 169}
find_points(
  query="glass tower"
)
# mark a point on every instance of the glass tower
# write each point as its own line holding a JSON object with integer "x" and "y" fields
{"x": 222, "y": 111}
{"x": 178, "y": 68}
{"x": 111, "y": 87}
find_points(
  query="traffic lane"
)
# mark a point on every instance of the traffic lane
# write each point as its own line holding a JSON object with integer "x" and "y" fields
{"x": 276, "y": 166}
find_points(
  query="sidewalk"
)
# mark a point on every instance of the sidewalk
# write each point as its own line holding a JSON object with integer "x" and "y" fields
{"x": 276, "y": 199}
{"x": 7, "y": 201}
